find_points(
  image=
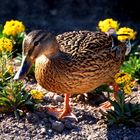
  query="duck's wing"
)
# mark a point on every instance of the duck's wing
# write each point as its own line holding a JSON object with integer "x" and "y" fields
{"x": 87, "y": 45}
{"x": 77, "y": 42}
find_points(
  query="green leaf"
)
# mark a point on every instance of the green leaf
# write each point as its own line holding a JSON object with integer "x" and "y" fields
{"x": 16, "y": 114}
{"x": 5, "y": 101}
{"x": 115, "y": 105}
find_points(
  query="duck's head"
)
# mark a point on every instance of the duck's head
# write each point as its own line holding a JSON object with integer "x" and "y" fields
{"x": 35, "y": 44}
{"x": 124, "y": 34}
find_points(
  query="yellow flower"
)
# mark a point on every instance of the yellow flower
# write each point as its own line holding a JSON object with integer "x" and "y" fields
{"x": 125, "y": 30}
{"x": 107, "y": 24}
{"x": 13, "y": 27}
{"x": 37, "y": 94}
{"x": 10, "y": 69}
{"x": 127, "y": 89}
{"x": 6, "y": 44}
{"x": 122, "y": 77}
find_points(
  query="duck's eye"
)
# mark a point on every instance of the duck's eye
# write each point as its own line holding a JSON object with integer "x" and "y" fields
{"x": 36, "y": 43}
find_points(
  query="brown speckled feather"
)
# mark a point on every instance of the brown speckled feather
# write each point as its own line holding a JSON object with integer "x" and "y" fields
{"x": 86, "y": 61}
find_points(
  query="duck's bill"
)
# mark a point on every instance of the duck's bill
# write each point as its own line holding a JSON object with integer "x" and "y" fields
{"x": 123, "y": 35}
{"x": 24, "y": 68}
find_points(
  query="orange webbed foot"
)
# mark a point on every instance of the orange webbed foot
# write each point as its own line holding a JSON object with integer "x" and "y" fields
{"x": 62, "y": 113}
{"x": 107, "y": 105}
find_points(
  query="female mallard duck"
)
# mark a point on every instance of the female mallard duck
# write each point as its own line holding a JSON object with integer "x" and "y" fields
{"x": 71, "y": 63}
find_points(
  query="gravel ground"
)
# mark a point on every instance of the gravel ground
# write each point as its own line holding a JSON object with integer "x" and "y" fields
{"x": 90, "y": 126}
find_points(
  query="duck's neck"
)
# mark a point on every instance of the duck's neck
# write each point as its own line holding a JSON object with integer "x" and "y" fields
{"x": 60, "y": 57}
{"x": 56, "y": 65}
{"x": 56, "y": 55}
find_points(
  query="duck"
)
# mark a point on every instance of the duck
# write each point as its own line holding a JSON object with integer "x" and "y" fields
{"x": 73, "y": 62}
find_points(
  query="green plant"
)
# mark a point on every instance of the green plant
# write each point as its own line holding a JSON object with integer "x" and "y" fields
{"x": 6, "y": 69}
{"x": 132, "y": 66}
{"x": 124, "y": 112}
{"x": 14, "y": 98}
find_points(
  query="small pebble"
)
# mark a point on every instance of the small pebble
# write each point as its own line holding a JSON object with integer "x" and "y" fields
{"x": 50, "y": 130}
{"x": 58, "y": 98}
{"x": 68, "y": 124}
{"x": 81, "y": 97}
{"x": 124, "y": 128}
{"x": 27, "y": 138}
{"x": 49, "y": 96}
{"x": 89, "y": 137}
{"x": 68, "y": 137}
{"x": 43, "y": 130}
{"x": 58, "y": 126}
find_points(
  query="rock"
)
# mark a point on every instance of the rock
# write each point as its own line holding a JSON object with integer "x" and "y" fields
{"x": 124, "y": 128}
{"x": 58, "y": 126}
{"x": 68, "y": 124}
{"x": 58, "y": 98}
{"x": 81, "y": 97}
{"x": 50, "y": 130}
{"x": 74, "y": 132}
{"x": 49, "y": 96}
{"x": 21, "y": 125}
{"x": 32, "y": 117}
{"x": 34, "y": 132}
{"x": 27, "y": 138}
{"x": 43, "y": 130}
{"x": 17, "y": 138}
{"x": 89, "y": 137}
{"x": 68, "y": 137}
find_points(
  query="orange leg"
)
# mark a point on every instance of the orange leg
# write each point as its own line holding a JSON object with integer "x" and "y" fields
{"x": 67, "y": 109}
{"x": 116, "y": 89}
{"x": 65, "y": 113}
